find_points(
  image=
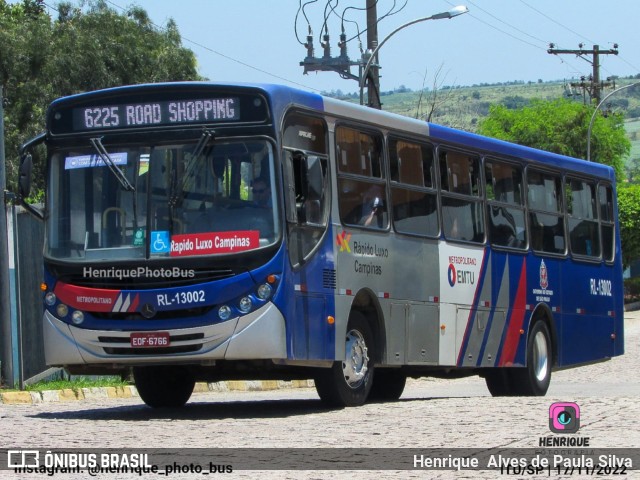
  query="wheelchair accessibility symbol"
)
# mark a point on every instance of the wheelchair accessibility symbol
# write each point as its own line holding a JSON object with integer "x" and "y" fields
{"x": 160, "y": 242}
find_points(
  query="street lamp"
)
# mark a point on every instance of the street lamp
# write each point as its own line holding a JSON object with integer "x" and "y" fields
{"x": 593, "y": 117}
{"x": 454, "y": 12}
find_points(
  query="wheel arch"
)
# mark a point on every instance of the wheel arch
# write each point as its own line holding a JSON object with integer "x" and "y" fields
{"x": 367, "y": 303}
{"x": 542, "y": 312}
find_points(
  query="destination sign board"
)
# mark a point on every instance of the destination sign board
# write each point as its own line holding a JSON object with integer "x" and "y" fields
{"x": 157, "y": 107}
{"x": 170, "y": 112}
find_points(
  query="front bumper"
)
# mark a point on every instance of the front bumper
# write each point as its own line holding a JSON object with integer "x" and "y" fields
{"x": 258, "y": 335}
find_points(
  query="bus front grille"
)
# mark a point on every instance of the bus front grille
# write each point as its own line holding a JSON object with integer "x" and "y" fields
{"x": 152, "y": 351}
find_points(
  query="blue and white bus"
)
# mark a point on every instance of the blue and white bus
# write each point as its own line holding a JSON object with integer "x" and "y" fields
{"x": 204, "y": 232}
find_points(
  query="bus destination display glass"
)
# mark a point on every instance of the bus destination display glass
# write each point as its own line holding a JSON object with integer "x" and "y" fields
{"x": 172, "y": 112}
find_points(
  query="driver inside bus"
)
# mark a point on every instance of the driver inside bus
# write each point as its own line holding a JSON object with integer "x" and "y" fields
{"x": 261, "y": 193}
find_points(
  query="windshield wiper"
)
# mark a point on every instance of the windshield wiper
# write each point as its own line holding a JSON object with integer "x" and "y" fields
{"x": 205, "y": 138}
{"x": 108, "y": 161}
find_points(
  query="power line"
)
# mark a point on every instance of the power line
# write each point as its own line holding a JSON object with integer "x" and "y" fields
{"x": 500, "y": 30}
{"x": 575, "y": 33}
{"x": 631, "y": 65}
{"x": 227, "y": 57}
{"x": 556, "y": 22}
{"x": 545, "y": 42}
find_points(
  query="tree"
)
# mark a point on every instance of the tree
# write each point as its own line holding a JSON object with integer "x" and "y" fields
{"x": 436, "y": 97}
{"x": 85, "y": 48}
{"x": 561, "y": 126}
{"x": 629, "y": 218}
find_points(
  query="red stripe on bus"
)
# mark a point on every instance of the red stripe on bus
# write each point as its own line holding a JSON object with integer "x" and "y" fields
{"x": 134, "y": 305}
{"x": 517, "y": 319}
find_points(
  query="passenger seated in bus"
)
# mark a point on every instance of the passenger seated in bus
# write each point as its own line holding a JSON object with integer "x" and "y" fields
{"x": 375, "y": 213}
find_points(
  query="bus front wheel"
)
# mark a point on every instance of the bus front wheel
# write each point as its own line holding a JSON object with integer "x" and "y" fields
{"x": 347, "y": 383}
{"x": 165, "y": 386}
{"x": 388, "y": 385}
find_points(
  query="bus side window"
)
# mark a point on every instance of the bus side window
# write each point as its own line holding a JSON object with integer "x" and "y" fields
{"x": 584, "y": 235}
{"x": 545, "y": 212}
{"x": 413, "y": 195}
{"x": 362, "y": 192}
{"x": 462, "y": 216}
{"x": 605, "y": 200}
{"x": 505, "y": 210}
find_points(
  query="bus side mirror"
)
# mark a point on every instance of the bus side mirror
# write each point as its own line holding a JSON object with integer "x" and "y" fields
{"x": 24, "y": 174}
{"x": 24, "y": 180}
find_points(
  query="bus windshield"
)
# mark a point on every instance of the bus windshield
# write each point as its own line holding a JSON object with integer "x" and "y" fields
{"x": 111, "y": 201}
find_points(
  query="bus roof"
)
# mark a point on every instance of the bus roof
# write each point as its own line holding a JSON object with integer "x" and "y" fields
{"x": 282, "y": 97}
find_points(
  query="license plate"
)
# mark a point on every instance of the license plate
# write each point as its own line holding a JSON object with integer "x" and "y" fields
{"x": 150, "y": 339}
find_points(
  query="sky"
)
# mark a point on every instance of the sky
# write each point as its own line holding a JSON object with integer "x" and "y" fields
{"x": 497, "y": 41}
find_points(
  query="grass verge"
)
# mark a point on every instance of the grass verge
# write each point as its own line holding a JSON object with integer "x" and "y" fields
{"x": 77, "y": 383}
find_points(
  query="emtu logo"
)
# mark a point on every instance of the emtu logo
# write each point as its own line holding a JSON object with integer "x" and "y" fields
{"x": 342, "y": 240}
{"x": 451, "y": 274}
{"x": 564, "y": 417}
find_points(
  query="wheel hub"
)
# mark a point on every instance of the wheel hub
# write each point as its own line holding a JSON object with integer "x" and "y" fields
{"x": 356, "y": 360}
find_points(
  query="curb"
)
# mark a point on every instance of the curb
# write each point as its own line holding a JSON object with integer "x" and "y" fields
{"x": 632, "y": 307}
{"x": 129, "y": 391}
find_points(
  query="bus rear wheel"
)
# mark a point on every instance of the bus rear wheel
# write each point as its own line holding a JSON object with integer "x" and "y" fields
{"x": 532, "y": 380}
{"x": 165, "y": 386}
{"x": 347, "y": 383}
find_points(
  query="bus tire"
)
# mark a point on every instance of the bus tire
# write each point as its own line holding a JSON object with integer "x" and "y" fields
{"x": 165, "y": 386}
{"x": 498, "y": 382}
{"x": 347, "y": 383}
{"x": 388, "y": 385}
{"x": 534, "y": 379}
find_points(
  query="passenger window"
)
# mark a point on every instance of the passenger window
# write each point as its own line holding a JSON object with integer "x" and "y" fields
{"x": 362, "y": 190}
{"x": 545, "y": 212}
{"x": 413, "y": 195}
{"x": 459, "y": 173}
{"x": 358, "y": 152}
{"x": 605, "y": 200}
{"x": 462, "y": 216}
{"x": 584, "y": 235}
{"x": 505, "y": 209}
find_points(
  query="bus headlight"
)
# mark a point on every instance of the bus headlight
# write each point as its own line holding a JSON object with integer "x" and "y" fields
{"x": 264, "y": 291}
{"x": 62, "y": 310}
{"x": 224, "y": 312}
{"x": 245, "y": 304}
{"x": 77, "y": 317}
{"x": 50, "y": 299}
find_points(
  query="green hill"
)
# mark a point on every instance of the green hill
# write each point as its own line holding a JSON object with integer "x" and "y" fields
{"x": 464, "y": 107}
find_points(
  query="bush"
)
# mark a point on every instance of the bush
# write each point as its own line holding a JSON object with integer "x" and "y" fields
{"x": 631, "y": 289}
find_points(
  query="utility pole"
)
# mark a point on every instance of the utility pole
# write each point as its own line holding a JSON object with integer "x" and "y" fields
{"x": 596, "y": 86}
{"x": 373, "y": 76}
{"x": 6, "y": 352}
